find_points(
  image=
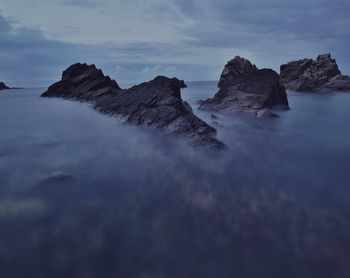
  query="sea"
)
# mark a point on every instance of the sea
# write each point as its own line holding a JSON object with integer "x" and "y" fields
{"x": 86, "y": 195}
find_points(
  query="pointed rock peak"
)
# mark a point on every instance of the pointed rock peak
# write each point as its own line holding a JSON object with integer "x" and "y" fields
{"x": 241, "y": 64}
{"x": 77, "y": 69}
{"x": 236, "y": 67}
{"x": 78, "y": 72}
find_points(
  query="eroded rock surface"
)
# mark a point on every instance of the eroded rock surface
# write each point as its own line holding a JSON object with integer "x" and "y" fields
{"x": 244, "y": 87}
{"x": 156, "y": 103}
{"x": 321, "y": 74}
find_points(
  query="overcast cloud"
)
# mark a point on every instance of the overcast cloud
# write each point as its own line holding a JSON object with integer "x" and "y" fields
{"x": 135, "y": 40}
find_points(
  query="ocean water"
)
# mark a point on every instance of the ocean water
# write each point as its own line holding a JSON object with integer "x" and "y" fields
{"x": 84, "y": 195}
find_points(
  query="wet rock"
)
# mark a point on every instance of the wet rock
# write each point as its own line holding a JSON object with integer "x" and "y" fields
{"x": 338, "y": 83}
{"x": 245, "y": 88}
{"x": 183, "y": 84}
{"x": 156, "y": 103}
{"x": 321, "y": 74}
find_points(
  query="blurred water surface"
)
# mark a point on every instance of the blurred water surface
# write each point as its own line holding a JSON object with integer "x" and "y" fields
{"x": 84, "y": 195}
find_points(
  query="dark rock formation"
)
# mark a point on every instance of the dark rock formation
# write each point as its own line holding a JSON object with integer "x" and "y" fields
{"x": 321, "y": 74}
{"x": 3, "y": 86}
{"x": 156, "y": 103}
{"x": 243, "y": 87}
{"x": 183, "y": 84}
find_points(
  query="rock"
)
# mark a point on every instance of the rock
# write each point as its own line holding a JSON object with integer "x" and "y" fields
{"x": 156, "y": 103}
{"x": 83, "y": 82}
{"x": 245, "y": 88}
{"x": 338, "y": 83}
{"x": 321, "y": 74}
{"x": 183, "y": 84}
{"x": 235, "y": 68}
{"x": 3, "y": 86}
{"x": 213, "y": 117}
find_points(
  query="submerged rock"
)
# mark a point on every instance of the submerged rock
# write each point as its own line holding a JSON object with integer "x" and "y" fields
{"x": 3, "y": 86}
{"x": 245, "y": 88}
{"x": 57, "y": 178}
{"x": 156, "y": 103}
{"x": 321, "y": 74}
{"x": 266, "y": 113}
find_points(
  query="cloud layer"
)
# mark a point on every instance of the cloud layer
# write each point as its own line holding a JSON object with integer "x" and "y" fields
{"x": 133, "y": 41}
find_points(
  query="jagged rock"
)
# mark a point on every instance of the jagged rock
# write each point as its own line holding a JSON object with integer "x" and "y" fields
{"x": 321, "y": 74}
{"x": 234, "y": 69}
{"x": 3, "y": 86}
{"x": 156, "y": 103}
{"x": 183, "y": 84}
{"x": 338, "y": 83}
{"x": 243, "y": 87}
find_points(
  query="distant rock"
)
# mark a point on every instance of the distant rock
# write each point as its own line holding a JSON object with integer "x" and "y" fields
{"x": 3, "y": 86}
{"x": 156, "y": 103}
{"x": 321, "y": 74}
{"x": 245, "y": 88}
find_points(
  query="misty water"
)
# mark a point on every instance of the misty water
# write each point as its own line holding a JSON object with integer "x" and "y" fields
{"x": 84, "y": 195}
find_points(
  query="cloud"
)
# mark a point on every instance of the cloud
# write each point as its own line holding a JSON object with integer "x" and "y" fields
{"x": 28, "y": 58}
{"x": 191, "y": 39}
{"x": 84, "y": 3}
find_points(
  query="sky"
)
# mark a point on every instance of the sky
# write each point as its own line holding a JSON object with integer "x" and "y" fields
{"x": 133, "y": 41}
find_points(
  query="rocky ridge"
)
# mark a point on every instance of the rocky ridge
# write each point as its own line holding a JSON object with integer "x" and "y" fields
{"x": 156, "y": 103}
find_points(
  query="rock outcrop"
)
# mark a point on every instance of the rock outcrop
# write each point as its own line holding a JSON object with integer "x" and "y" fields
{"x": 244, "y": 87}
{"x": 3, "y": 86}
{"x": 321, "y": 74}
{"x": 183, "y": 84}
{"x": 156, "y": 103}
